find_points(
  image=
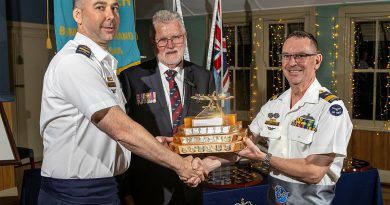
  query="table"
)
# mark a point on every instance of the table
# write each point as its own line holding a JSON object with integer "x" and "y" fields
{"x": 352, "y": 188}
{"x": 358, "y": 188}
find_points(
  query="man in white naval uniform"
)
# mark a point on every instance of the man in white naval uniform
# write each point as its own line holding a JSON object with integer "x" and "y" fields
{"x": 87, "y": 136}
{"x": 307, "y": 130}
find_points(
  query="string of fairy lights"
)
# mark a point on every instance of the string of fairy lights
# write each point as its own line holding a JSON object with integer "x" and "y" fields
{"x": 359, "y": 60}
{"x": 253, "y": 84}
{"x": 276, "y": 37}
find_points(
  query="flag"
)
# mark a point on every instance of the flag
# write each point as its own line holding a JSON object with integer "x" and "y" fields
{"x": 177, "y": 8}
{"x": 216, "y": 60}
{"x": 124, "y": 46}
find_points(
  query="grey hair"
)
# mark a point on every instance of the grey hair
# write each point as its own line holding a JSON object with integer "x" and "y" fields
{"x": 165, "y": 17}
{"x": 304, "y": 34}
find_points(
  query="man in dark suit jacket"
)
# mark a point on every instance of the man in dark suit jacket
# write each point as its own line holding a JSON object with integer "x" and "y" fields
{"x": 147, "y": 93}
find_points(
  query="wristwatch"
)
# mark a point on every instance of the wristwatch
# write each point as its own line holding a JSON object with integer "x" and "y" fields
{"x": 267, "y": 162}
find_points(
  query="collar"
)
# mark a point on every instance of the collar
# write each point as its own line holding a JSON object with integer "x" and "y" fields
{"x": 98, "y": 52}
{"x": 310, "y": 96}
{"x": 179, "y": 69}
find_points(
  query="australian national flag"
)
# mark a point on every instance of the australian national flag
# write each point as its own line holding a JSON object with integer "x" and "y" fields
{"x": 219, "y": 66}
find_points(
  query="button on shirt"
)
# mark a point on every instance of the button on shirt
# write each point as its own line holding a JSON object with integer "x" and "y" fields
{"x": 308, "y": 128}
{"x": 75, "y": 87}
{"x": 179, "y": 78}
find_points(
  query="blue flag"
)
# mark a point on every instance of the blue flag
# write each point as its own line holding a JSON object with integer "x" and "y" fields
{"x": 124, "y": 46}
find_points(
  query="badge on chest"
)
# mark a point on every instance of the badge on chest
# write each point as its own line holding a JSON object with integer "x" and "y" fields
{"x": 146, "y": 98}
{"x": 273, "y": 119}
{"x": 306, "y": 122}
{"x": 111, "y": 84}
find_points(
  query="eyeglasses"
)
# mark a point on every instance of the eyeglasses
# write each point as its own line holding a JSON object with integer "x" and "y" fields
{"x": 179, "y": 39}
{"x": 300, "y": 57}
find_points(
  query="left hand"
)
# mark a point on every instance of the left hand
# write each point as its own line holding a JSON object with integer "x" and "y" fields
{"x": 251, "y": 151}
{"x": 210, "y": 164}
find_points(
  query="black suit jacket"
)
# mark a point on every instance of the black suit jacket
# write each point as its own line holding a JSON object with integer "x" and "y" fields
{"x": 154, "y": 116}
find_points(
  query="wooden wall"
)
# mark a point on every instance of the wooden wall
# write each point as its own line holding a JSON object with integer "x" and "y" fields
{"x": 7, "y": 173}
{"x": 370, "y": 146}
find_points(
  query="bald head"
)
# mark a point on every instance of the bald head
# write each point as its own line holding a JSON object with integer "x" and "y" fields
{"x": 76, "y": 4}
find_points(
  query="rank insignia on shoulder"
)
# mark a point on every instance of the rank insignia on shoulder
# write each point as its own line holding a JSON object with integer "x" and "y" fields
{"x": 146, "y": 98}
{"x": 274, "y": 97}
{"x": 327, "y": 96}
{"x": 83, "y": 49}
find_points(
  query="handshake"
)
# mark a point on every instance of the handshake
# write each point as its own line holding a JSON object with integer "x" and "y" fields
{"x": 192, "y": 171}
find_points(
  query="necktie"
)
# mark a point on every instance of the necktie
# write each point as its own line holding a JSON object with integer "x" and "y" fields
{"x": 174, "y": 95}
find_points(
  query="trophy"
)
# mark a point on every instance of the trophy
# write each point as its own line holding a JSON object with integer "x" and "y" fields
{"x": 211, "y": 131}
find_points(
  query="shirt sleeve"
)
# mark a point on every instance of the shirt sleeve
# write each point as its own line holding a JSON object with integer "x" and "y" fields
{"x": 333, "y": 131}
{"x": 81, "y": 83}
{"x": 256, "y": 124}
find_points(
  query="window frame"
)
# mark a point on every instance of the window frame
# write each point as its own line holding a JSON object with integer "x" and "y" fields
{"x": 260, "y": 23}
{"x": 243, "y": 115}
{"x": 267, "y": 45}
{"x": 345, "y": 62}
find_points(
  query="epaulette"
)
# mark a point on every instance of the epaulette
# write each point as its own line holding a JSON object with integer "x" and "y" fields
{"x": 83, "y": 49}
{"x": 274, "y": 97}
{"x": 327, "y": 96}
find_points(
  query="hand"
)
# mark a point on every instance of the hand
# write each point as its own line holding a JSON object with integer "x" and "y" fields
{"x": 191, "y": 171}
{"x": 210, "y": 164}
{"x": 207, "y": 164}
{"x": 164, "y": 140}
{"x": 251, "y": 151}
{"x": 199, "y": 167}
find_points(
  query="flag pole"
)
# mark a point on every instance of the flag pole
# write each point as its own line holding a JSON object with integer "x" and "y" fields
{"x": 177, "y": 8}
{"x": 222, "y": 45}
{"x": 211, "y": 39}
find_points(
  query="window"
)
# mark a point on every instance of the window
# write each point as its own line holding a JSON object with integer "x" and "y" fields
{"x": 277, "y": 33}
{"x": 252, "y": 54}
{"x": 366, "y": 76}
{"x": 371, "y": 68}
{"x": 239, "y": 57}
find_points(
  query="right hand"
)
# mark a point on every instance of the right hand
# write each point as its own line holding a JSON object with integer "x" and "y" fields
{"x": 192, "y": 171}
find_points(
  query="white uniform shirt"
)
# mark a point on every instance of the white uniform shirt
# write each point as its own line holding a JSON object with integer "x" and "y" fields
{"x": 179, "y": 78}
{"x": 75, "y": 87}
{"x": 312, "y": 126}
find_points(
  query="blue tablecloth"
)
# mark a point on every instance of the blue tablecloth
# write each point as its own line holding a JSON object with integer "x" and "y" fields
{"x": 358, "y": 188}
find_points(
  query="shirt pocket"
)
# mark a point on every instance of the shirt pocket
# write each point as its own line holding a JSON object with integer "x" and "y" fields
{"x": 270, "y": 131}
{"x": 301, "y": 135}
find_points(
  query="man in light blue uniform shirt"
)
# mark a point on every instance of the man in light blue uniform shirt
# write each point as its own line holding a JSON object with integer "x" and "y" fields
{"x": 87, "y": 136}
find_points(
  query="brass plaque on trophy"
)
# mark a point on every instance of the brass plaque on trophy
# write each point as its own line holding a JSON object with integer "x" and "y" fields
{"x": 211, "y": 131}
